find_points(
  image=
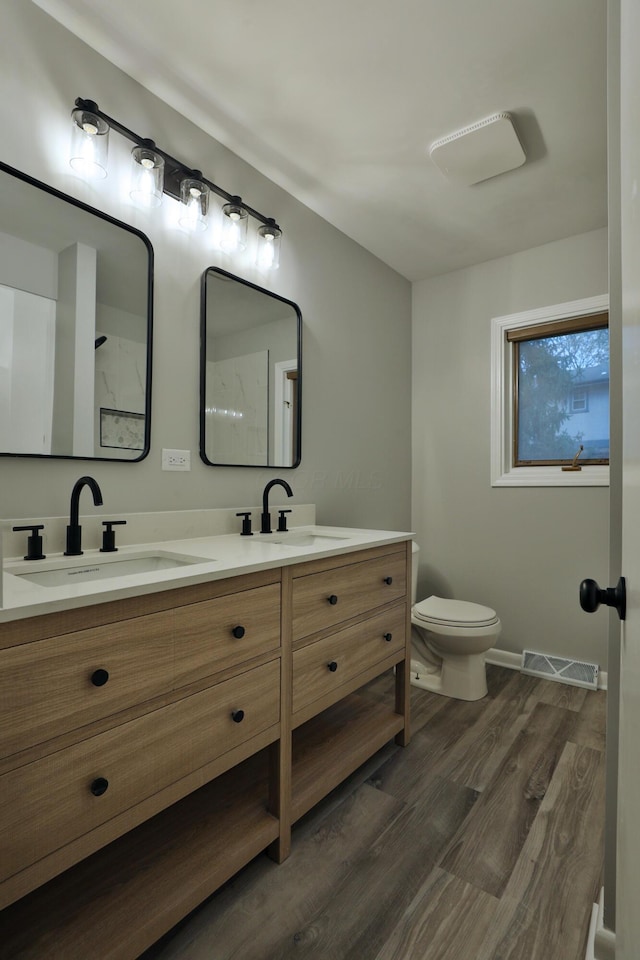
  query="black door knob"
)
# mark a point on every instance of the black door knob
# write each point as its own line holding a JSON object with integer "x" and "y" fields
{"x": 333, "y": 666}
{"x": 388, "y": 637}
{"x": 99, "y": 786}
{"x": 591, "y": 596}
{"x": 388, "y": 581}
{"x": 99, "y": 677}
{"x": 238, "y": 632}
{"x": 332, "y": 599}
{"x": 237, "y": 716}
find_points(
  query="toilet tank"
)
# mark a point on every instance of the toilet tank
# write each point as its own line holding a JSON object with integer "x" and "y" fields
{"x": 415, "y": 550}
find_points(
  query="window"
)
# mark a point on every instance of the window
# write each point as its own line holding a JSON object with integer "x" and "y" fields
{"x": 555, "y": 368}
{"x": 550, "y": 371}
{"x": 580, "y": 399}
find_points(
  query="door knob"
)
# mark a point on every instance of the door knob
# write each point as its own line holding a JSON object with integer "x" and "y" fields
{"x": 591, "y": 596}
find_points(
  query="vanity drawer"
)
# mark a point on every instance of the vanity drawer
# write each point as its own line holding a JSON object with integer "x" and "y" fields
{"x": 52, "y": 686}
{"x": 215, "y": 634}
{"x": 49, "y": 803}
{"x": 327, "y": 664}
{"x": 322, "y": 600}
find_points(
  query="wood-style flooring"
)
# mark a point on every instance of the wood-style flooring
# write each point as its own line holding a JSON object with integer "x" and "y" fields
{"x": 482, "y": 840}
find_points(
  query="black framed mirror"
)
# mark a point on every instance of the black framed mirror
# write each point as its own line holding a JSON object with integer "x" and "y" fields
{"x": 250, "y": 374}
{"x": 76, "y": 304}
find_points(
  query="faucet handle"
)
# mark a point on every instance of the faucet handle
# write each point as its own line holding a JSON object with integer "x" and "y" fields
{"x": 246, "y": 524}
{"x": 282, "y": 521}
{"x": 109, "y": 535}
{"x": 34, "y": 541}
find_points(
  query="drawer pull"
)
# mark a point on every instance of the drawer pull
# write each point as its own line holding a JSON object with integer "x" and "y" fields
{"x": 238, "y": 632}
{"x": 99, "y": 677}
{"x": 237, "y": 716}
{"x": 332, "y": 665}
{"x": 388, "y": 637}
{"x": 99, "y": 786}
{"x": 388, "y": 580}
{"x": 332, "y": 599}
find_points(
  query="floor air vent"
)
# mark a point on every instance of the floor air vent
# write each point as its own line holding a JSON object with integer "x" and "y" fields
{"x": 576, "y": 672}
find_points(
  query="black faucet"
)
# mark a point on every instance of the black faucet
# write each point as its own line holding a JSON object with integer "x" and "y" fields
{"x": 74, "y": 530}
{"x": 265, "y": 519}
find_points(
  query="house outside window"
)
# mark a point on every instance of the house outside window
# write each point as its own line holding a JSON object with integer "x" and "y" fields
{"x": 550, "y": 396}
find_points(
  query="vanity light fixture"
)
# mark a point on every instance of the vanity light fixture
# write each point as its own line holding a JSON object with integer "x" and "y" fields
{"x": 147, "y": 175}
{"x": 235, "y": 218}
{"x": 89, "y": 142}
{"x": 268, "y": 249}
{"x": 155, "y": 172}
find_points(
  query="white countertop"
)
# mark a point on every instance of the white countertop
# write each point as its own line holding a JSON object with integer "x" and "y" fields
{"x": 218, "y": 557}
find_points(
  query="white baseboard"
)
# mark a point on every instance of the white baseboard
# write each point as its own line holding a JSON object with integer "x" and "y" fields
{"x": 504, "y": 658}
{"x": 513, "y": 661}
{"x": 601, "y": 943}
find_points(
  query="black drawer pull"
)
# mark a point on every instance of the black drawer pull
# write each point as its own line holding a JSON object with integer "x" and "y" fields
{"x": 238, "y": 632}
{"x": 332, "y": 599}
{"x": 332, "y": 665}
{"x": 99, "y": 786}
{"x": 388, "y": 637}
{"x": 237, "y": 716}
{"x": 99, "y": 677}
{"x": 388, "y": 580}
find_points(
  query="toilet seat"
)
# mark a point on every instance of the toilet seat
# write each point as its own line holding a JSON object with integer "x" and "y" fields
{"x": 462, "y": 614}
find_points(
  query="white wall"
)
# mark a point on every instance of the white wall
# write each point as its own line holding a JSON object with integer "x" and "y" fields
{"x": 357, "y": 328}
{"x": 522, "y": 551}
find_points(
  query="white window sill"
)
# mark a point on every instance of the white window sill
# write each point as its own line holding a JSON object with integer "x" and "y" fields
{"x": 553, "y": 477}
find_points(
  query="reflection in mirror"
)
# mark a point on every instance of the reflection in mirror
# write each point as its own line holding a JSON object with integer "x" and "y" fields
{"x": 250, "y": 374}
{"x": 75, "y": 327}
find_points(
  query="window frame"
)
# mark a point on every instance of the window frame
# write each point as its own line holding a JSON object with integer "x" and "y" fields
{"x": 503, "y": 473}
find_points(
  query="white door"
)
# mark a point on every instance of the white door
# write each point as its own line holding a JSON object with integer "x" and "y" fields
{"x": 628, "y": 846}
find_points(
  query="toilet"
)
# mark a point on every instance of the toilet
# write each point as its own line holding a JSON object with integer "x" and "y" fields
{"x": 449, "y": 639}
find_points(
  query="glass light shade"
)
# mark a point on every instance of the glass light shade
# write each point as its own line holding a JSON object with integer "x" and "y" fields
{"x": 89, "y": 144}
{"x": 147, "y": 176}
{"x": 234, "y": 226}
{"x": 268, "y": 249}
{"x": 194, "y": 195}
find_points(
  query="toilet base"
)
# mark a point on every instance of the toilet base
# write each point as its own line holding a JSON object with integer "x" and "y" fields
{"x": 463, "y": 677}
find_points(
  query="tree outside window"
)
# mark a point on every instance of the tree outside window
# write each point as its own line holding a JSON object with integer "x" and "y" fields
{"x": 561, "y": 392}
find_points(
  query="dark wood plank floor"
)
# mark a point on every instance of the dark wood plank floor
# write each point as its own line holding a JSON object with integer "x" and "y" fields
{"x": 482, "y": 840}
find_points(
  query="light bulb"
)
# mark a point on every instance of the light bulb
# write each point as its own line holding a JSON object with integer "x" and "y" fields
{"x": 268, "y": 249}
{"x": 195, "y": 199}
{"x": 147, "y": 175}
{"x": 234, "y": 226}
{"x": 89, "y": 144}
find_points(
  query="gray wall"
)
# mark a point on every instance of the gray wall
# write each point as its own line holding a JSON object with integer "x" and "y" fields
{"x": 356, "y": 444}
{"x": 522, "y": 551}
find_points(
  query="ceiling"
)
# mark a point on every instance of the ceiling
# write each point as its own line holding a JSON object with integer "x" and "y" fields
{"x": 339, "y": 101}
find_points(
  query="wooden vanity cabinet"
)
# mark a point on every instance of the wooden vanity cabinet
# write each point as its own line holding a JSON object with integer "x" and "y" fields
{"x": 151, "y": 747}
{"x": 360, "y": 629}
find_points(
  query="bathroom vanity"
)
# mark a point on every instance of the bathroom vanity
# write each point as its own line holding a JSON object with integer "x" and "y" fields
{"x": 156, "y": 737}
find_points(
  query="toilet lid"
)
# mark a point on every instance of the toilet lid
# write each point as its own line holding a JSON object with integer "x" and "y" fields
{"x": 454, "y": 612}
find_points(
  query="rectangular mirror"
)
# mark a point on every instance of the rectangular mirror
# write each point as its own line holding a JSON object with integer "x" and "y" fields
{"x": 250, "y": 374}
{"x": 75, "y": 327}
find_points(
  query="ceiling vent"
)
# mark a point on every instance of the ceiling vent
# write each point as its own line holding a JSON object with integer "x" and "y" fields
{"x": 480, "y": 151}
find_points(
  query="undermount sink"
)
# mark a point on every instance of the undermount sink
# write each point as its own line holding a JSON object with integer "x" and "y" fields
{"x": 69, "y": 570}
{"x": 302, "y": 539}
